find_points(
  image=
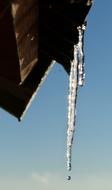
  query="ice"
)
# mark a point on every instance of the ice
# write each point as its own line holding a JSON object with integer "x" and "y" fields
{"x": 73, "y": 87}
{"x": 76, "y": 79}
{"x": 81, "y": 71}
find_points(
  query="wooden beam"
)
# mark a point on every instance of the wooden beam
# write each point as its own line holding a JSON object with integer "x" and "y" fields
{"x": 25, "y": 15}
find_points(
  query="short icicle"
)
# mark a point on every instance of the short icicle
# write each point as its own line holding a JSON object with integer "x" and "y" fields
{"x": 76, "y": 79}
{"x": 81, "y": 71}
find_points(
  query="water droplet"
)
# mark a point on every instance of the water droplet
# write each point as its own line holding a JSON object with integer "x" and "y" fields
{"x": 68, "y": 178}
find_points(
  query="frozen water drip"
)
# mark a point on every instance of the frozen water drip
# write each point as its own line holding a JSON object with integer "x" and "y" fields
{"x": 76, "y": 79}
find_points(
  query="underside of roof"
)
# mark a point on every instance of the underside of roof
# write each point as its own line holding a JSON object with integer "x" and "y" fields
{"x": 33, "y": 33}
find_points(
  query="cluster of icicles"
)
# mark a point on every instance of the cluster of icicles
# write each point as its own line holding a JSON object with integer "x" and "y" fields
{"x": 77, "y": 76}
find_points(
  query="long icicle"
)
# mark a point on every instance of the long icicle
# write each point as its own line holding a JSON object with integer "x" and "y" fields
{"x": 73, "y": 87}
{"x": 77, "y": 77}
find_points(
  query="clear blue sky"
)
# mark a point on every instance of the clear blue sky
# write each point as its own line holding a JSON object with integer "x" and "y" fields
{"x": 33, "y": 152}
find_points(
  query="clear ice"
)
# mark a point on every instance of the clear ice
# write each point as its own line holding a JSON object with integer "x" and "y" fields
{"x": 81, "y": 72}
{"x": 76, "y": 79}
{"x": 73, "y": 87}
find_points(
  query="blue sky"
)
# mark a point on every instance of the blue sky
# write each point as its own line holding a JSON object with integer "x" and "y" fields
{"x": 33, "y": 152}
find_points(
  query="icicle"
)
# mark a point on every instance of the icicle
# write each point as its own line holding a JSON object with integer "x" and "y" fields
{"x": 73, "y": 86}
{"x": 77, "y": 76}
{"x": 81, "y": 71}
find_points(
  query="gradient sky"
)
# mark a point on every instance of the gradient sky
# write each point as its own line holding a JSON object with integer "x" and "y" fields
{"x": 33, "y": 152}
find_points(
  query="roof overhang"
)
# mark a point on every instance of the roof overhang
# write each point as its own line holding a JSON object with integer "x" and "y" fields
{"x": 31, "y": 37}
